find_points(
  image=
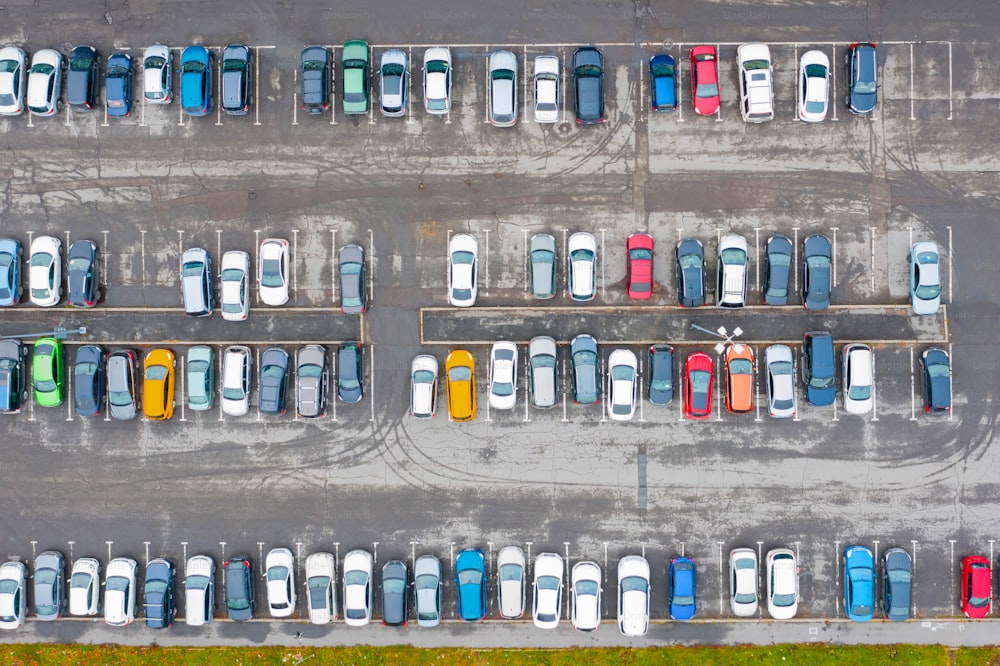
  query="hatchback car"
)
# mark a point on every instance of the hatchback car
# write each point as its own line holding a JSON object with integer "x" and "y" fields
{"x": 542, "y": 266}
{"x": 463, "y": 253}
{"x": 237, "y": 74}
{"x": 123, "y": 399}
{"x": 358, "y": 588}
{"x": 817, "y": 258}
{"x": 583, "y": 373}
{"x": 681, "y": 580}
{"x": 236, "y": 380}
{"x": 45, "y": 272}
{"x": 925, "y": 278}
{"x": 547, "y": 81}
{"x": 859, "y": 583}
{"x": 49, "y": 585}
{"x": 897, "y": 583}
{"x": 12, "y": 376}
{"x": 157, "y": 74}
{"x": 582, "y": 266}
{"x": 756, "y": 93}
{"x": 353, "y": 292}
{"x": 394, "y": 84}
{"x": 501, "y": 72}
{"x": 470, "y": 579}
{"x": 503, "y": 375}
{"x": 273, "y": 381}
{"x": 45, "y": 83}
{"x": 321, "y": 585}
{"x": 699, "y": 371}
{"x": 272, "y": 271}
{"x": 350, "y": 372}
{"x": 238, "y": 572}
{"x": 862, "y": 77}
{"x": 395, "y": 586}
{"x": 732, "y": 265}
{"x": 13, "y": 595}
{"x": 743, "y": 582}
{"x": 197, "y": 64}
{"x": 196, "y": 282}
{"x": 158, "y": 385}
{"x": 936, "y": 371}
{"x": 780, "y": 386}
{"x": 85, "y": 587}
{"x": 158, "y": 604}
{"x": 661, "y": 374}
{"x": 633, "y": 595}
{"x": 199, "y": 590}
{"x": 88, "y": 380}
{"x": 10, "y": 270}
{"x": 977, "y": 586}
{"x": 548, "y": 586}
{"x": 814, "y": 86}
{"x": 543, "y": 378}
{"x": 315, "y": 65}
{"x": 311, "y": 381}
{"x": 738, "y": 364}
{"x": 858, "y": 366}
{"x": 588, "y": 83}
{"x": 427, "y": 590}
{"x": 437, "y": 80}
{"x": 423, "y": 386}
{"x": 13, "y": 80}
{"x": 782, "y": 584}
{"x": 777, "y": 270}
{"x": 460, "y": 385}
{"x": 662, "y": 82}
{"x": 279, "y": 568}
{"x": 118, "y": 85}
{"x": 235, "y": 285}
{"x": 639, "y": 266}
{"x": 81, "y": 273}
{"x": 818, "y": 371}
{"x": 690, "y": 273}
{"x": 511, "y": 577}
{"x": 356, "y": 74}
{"x": 48, "y": 372}
{"x": 585, "y": 596}
{"x": 81, "y": 78}
{"x": 623, "y": 384}
{"x": 705, "y": 80}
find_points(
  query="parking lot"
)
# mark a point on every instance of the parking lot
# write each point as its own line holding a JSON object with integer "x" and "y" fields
{"x": 566, "y": 480}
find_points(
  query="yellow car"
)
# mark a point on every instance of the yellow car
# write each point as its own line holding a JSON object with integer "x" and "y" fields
{"x": 158, "y": 384}
{"x": 460, "y": 374}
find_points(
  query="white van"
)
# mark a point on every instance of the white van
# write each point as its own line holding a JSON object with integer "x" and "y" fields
{"x": 756, "y": 94}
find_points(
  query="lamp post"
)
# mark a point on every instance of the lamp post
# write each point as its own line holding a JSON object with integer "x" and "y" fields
{"x": 59, "y": 333}
{"x": 720, "y": 333}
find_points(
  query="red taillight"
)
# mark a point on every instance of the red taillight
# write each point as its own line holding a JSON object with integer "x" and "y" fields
{"x": 246, "y": 563}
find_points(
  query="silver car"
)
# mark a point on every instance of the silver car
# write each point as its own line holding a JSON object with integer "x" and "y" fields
{"x": 546, "y": 89}
{"x": 321, "y": 586}
{"x": 311, "y": 381}
{"x": 511, "y": 583}
{"x": 543, "y": 380}
{"x": 780, "y": 381}
{"x": 393, "y": 83}
{"x": 50, "y": 585}
{"x": 157, "y": 70}
{"x": 236, "y": 380}
{"x": 427, "y": 590}
{"x": 122, "y": 396}
{"x": 502, "y": 88}
{"x": 235, "y": 285}
{"x": 542, "y": 265}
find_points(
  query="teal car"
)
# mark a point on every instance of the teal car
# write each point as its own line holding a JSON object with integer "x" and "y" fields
{"x": 200, "y": 378}
{"x": 356, "y": 72}
{"x": 48, "y": 372}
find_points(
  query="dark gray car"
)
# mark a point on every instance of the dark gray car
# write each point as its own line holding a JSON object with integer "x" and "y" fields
{"x": 49, "y": 585}
{"x": 395, "y": 610}
{"x": 690, "y": 273}
{"x": 542, "y": 265}
{"x": 777, "y": 270}
{"x": 897, "y": 573}
{"x": 588, "y": 79}
{"x": 81, "y": 272}
{"x": 583, "y": 356}
{"x": 661, "y": 374}
{"x": 237, "y": 73}
{"x": 122, "y": 402}
{"x": 353, "y": 297}
{"x": 82, "y": 77}
{"x": 817, "y": 260}
{"x": 239, "y": 588}
{"x": 273, "y": 380}
{"x": 12, "y": 392}
{"x": 350, "y": 372}
{"x": 315, "y": 79}
{"x": 88, "y": 380}
{"x": 311, "y": 378}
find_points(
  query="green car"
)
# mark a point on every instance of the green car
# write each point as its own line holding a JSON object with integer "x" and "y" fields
{"x": 356, "y": 69}
{"x": 48, "y": 372}
{"x": 200, "y": 378}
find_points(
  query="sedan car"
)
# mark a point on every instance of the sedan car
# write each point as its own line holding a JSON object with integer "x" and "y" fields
{"x": 321, "y": 585}
{"x": 13, "y": 594}
{"x": 588, "y": 83}
{"x": 585, "y": 596}
{"x": 158, "y": 385}
{"x": 543, "y": 379}
{"x": 738, "y": 364}
{"x": 437, "y": 80}
{"x": 639, "y": 266}
{"x": 897, "y": 582}
{"x": 395, "y": 586}
{"x": 236, "y": 96}
{"x": 393, "y": 83}
{"x": 460, "y": 385}
{"x": 238, "y": 573}
{"x": 12, "y": 375}
{"x": 503, "y": 375}
{"x": 273, "y": 381}
{"x": 279, "y": 568}
{"x": 546, "y": 80}
{"x": 272, "y": 271}
{"x": 542, "y": 266}
{"x": 49, "y": 585}
{"x": 196, "y": 282}
{"x": 82, "y": 78}
{"x": 315, "y": 66}
{"x": 623, "y": 384}
{"x": 199, "y": 590}
{"x": 236, "y": 380}
{"x": 977, "y": 586}
{"x": 699, "y": 371}
{"x": 925, "y": 278}
{"x": 311, "y": 381}
{"x": 859, "y": 378}
{"x": 705, "y": 80}
{"x": 470, "y": 579}
{"x": 356, "y": 74}
{"x": 548, "y": 585}
{"x": 157, "y": 73}
{"x": 818, "y": 368}
{"x": 780, "y": 387}
{"x": 743, "y": 582}
{"x": 45, "y": 272}
{"x": 817, "y": 258}
{"x": 583, "y": 371}
{"x": 862, "y": 77}
{"x": 859, "y": 583}
{"x": 690, "y": 273}
{"x": 463, "y": 253}
{"x": 196, "y": 80}
{"x": 633, "y": 595}
{"x": 814, "y": 86}
{"x": 936, "y": 371}
{"x": 10, "y": 270}
{"x": 662, "y": 82}
{"x": 81, "y": 273}
{"x": 423, "y": 386}
{"x": 118, "y": 85}
{"x": 350, "y": 372}
{"x": 123, "y": 400}
{"x": 88, "y": 380}
{"x": 777, "y": 270}
{"x": 48, "y": 372}
{"x": 427, "y": 590}
{"x": 681, "y": 580}
{"x": 235, "y": 285}
{"x": 511, "y": 577}
{"x": 358, "y": 588}
{"x": 732, "y": 265}
{"x": 45, "y": 83}
{"x": 158, "y": 604}
{"x": 353, "y": 293}
{"x": 501, "y": 74}
{"x": 661, "y": 374}
{"x": 582, "y": 266}
{"x": 13, "y": 80}
{"x": 782, "y": 584}
{"x": 85, "y": 587}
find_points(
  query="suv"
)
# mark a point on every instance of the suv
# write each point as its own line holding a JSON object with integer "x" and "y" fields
{"x": 756, "y": 95}
{"x": 237, "y": 72}
{"x": 502, "y": 89}
{"x": 81, "y": 79}
{"x": 239, "y": 588}
{"x": 196, "y": 282}
{"x": 862, "y": 77}
{"x": 12, "y": 393}
{"x": 312, "y": 379}
{"x": 818, "y": 368}
{"x": 315, "y": 79}
{"x": 731, "y": 288}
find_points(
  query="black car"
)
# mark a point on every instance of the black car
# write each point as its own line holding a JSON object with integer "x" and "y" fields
{"x": 315, "y": 79}
{"x": 81, "y": 273}
{"x": 158, "y": 594}
{"x": 395, "y": 581}
{"x": 239, "y": 589}
{"x": 588, "y": 80}
{"x": 819, "y": 370}
{"x": 817, "y": 261}
{"x": 273, "y": 380}
{"x": 897, "y": 582}
{"x": 12, "y": 391}
{"x": 937, "y": 381}
{"x": 350, "y": 372}
{"x": 237, "y": 73}
{"x": 777, "y": 270}
{"x": 690, "y": 273}
{"x": 862, "y": 77}
{"x": 661, "y": 374}
{"x": 82, "y": 77}
{"x": 88, "y": 380}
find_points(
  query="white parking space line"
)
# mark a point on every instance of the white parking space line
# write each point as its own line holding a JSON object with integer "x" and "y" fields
{"x": 756, "y": 258}
{"x": 951, "y": 386}
{"x": 526, "y": 81}
{"x": 218, "y": 92}
{"x": 640, "y": 111}
{"x": 871, "y": 234}
{"x": 374, "y": 98}
{"x": 333, "y": 84}
{"x": 912, "y": 117}
{"x": 447, "y": 264}
{"x": 295, "y": 364}
{"x": 486, "y": 282}
{"x": 718, "y": 387}
{"x": 874, "y": 391}
{"x": 604, "y": 281}
{"x": 799, "y": 402}
{"x": 834, "y": 103}
{"x": 489, "y": 382}
{"x": 600, "y": 377}
{"x": 180, "y": 251}
{"x": 951, "y": 282}
{"x": 798, "y": 84}
{"x": 370, "y": 267}
{"x": 371, "y": 381}
{"x": 221, "y": 380}
{"x": 722, "y": 579}
{"x": 333, "y": 263}
{"x": 67, "y": 123}
{"x": 256, "y": 364}
{"x": 834, "y": 230}
{"x": 639, "y": 379}
{"x": 564, "y": 259}
{"x": 680, "y": 396}
{"x": 69, "y": 392}
{"x": 795, "y": 257}
{"x": 951, "y": 98}
{"x": 526, "y": 396}
{"x": 294, "y": 261}
{"x": 105, "y": 123}
{"x": 718, "y": 75}
{"x": 256, "y": 85}
{"x": 333, "y": 382}
{"x": 295, "y": 96}
{"x": 527, "y": 279}
{"x": 562, "y": 84}
{"x": 913, "y": 398}
{"x": 836, "y": 576}
{"x": 182, "y": 373}
{"x": 566, "y": 390}
{"x": 486, "y": 110}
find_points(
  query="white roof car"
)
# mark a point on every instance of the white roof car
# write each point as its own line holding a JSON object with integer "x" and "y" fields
{"x": 437, "y": 80}
{"x": 235, "y": 285}
{"x": 633, "y": 595}
{"x": 85, "y": 587}
{"x": 623, "y": 368}
{"x": 119, "y": 592}
{"x": 321, "y": 584}
{"x": 45, "y": 82}
{"x": 463, "y": 255}
{"x": 542, "y": 374}
{"x": 925, "y": 278}
{"x": 814, "y": 86}
{"x": 358, "y": 588}
{"x": 157, "y": 70}
{"x": 743, "y": 581}
{"x": 199, "y": 590}
{"x": 427, "y": 590}
{"x": 859, "y": 378}
{"x": 13, "y": 80}
{"x": 585, "y": 591}
{"x": 13, "y": 595}
{"x": 503, "y": 375}
{"x": 780, "y": 386}
{"x": 756, "y": 96}
{"x": 502, "y": 87}
{"x": 582, "y": 251}
{"x": 236, "y": 380}
{"x": 731, "y": 288}
{"x": 280, "y": 570}
{"x": 546, "y": 89}
{"x": 510, "y": 582}
{"x": 423, "y": 386}
{"x": 547, "y": 606}
{"x": 393, "y": 83}
{"x": 45, "y": 271}
{"x": 782, "y": 584}
{"x": 272, "y": 271}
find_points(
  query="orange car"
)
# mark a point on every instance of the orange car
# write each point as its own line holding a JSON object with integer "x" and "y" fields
{"x": 460, "y": 383}
{"x": 158, "y": 384}
{"x": 739, "y": 379}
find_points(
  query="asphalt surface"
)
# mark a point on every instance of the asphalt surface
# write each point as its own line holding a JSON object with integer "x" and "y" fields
{"x": 923, "y": 166}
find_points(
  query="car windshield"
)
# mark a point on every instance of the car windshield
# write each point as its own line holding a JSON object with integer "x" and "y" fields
{"x": 460, "y": 374}
{"x": 663, "y": 70}
{"x": 116, "y": 584}
{"x": 937, "y": 370}
{"x": 41, "y": 259}
{"x": 312, "y": 65}
{"x": 156, "y": 372}
{"x": 196, "y": 582}
{"x": 864, "y": 87}
{"x": 817, "y": 71}
{"x": 310, "y": 370}
{"x": 543, "y": 361}
{"x": 783, "y": 600}
{"x": 153, "y": 62}
{"x": 275, "y": 371}
{"x": 928, "y": 291}
{"x": 355, "y": 578}
{"x": 584, "y": 358}
{"x": 193, "y": 269}
{"x": 683, "y": 600}
{"x": 503, "y": 75}
{"x": 41, "y": 68}
{"x": 470, "y": 577}
{"x": 586, "y": 587}
{"x": 622, "y": 373}
{"x": 193, "y": 66}
{"x": 80, "y": 580}
{"x": 233, "y": 65}
{"x": 547, "y": 583}
{"x": 542, "y": 257}
{"x": 860, "y": 392}
{"x": 156, "y": 586}
{"x": 80, "y": 64}
{"x": 689, "y": 261}
{"x": 426, "y": 582}
{"x": 634, "y": 584}
{"x": 271, "y": 273}
{"x": 700, "y": 380}
{"x": 117, "y": 72}
{"x": 587, "y": 71}
{"x": 707, "y": 90}
{"x": 641, "y": 253}
{"x": 78, "y": 264}
{"x": 120, "y": 398}
{"x": 232, "y": 275}
{"x": 734, "y": 256}
{"x": 393, "y": 586}
{"x": 421, "y": 377}
{"x": 815, "y": 107}
{"x": 84, "y": 370}
{"x": 277, "y": 574}
{"x": 510, "y": 572}
{"x": 462, "y": 257}
{"x": 740, "y": 366}
{"x": 582, "y": 256}
{"x": 436, "y": 67}
{"x": 349, "y": 382}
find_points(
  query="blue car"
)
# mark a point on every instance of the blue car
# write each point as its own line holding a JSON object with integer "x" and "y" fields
{"x": 859, "y": 583}
{"x": 819, "y": 372}
{"x": 196, "y": 81}
{"x": 118, "y": 84}
{"x": 681, "y": 583}
{"x": 10, "y": 271}
{"x": 862, "y": 77}
{"x": 662, "y": 83}
{"x": 470, "y": 577}
{"x": 817, "y": 260}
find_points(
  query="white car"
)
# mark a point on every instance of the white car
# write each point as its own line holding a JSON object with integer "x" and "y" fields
{"x": 743, "y": 576}
{"x": 633, "y": 595}
{"x": 321, "y": 583}
{"x": 437, "y": 80}
{"x": 423, "y": 386}
{"x": 199, "y": 590}
{"x": 13, "y": 595}
{"x": 582, "y": 251}
{"x": 157, "y": 70}
{"x": 85, "y": 587}
{"x": 236, "y": 380}
{"x": 45, "y": 83}
{"x": 358, "y": 588}
{"x": 780, "y": 371}
{"x": 585, "y": 599}
{"x": 503, "y": 375}
{"x": 463, "y": 262}
{"x": 45, "y": 271}
{"x": 511, "y": 582}
{"x": 756, "y": 94}
{"x": 501, "y": 70}
{"x": 280, "y": 570}
{"x": 731, "y": 283}
{"x": 272, "y": 271}
{"x": 925, "y": 278}
{"x": 119, "y": 592}
{"x": 235, "y": 285}
{"x": 858, "y": 379}
{"x": 547, "y": 605}
{"x": 623, "y": 368}
{"x": 13, "y": 80}
{"x": 814, "y": 86}
{"x": 782, "y": 584}
{"x": 393, "y": 83}
{"x": 546, "y": 89}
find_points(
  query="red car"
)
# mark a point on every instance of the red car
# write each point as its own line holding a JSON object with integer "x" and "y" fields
{"x": 698, "y": 375}
{"x": 705, "y": 80}
{"x": 639, "y": 271}
{"x": 977, "y": 586}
